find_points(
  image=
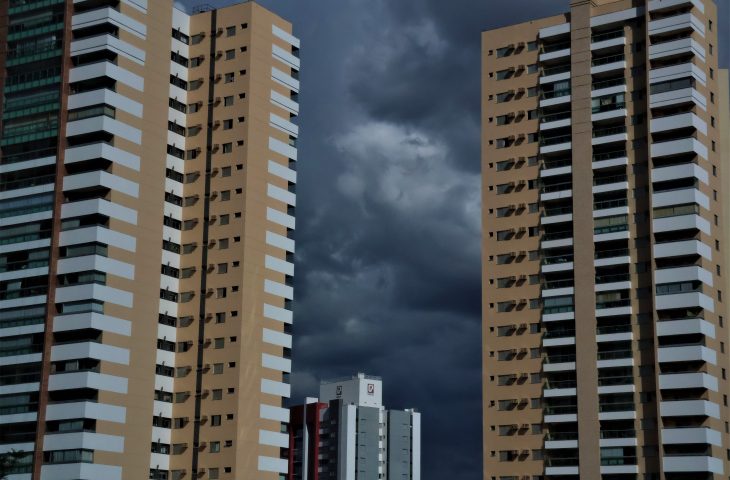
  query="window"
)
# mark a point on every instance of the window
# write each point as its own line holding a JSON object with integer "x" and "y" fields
{"x": 215, "y": 447}
{"x": 222, "y": 268}
{"x": 503, "y": 74}
{"x": 531, "y": 46}
{"x": 225, "y": 219}
{"x": 229, "y": 77}
{"x": 213, "y": 473}
{"x": 222, "y": 244}
{"x": 227, "y": 124}
{"x": 217, "y": 368}
{"x": 230, "y": 31}
{"x": 225, "y": 195}
{"x": 219, "y": 342}
{"x": 226, "y": 171}
{"x": 227, "y": 147}
{"x": 532, "y": 68}
{"x": 532, "y": 114}
{"x": 503, "y": 97}
{"x": 220, "y": 317}
{"x": 532, "y": 92}
{"x": 228, "y": 101}
{"x": 221, "y": 292}
{"x": 504, "y": 51}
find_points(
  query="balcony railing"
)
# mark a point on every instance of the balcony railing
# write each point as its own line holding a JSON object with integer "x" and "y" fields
{"x": 554, "y": 47}
{"x": 545, "y": 141}
{"x": 564, "y": 358}
{"x": 601, "y": 37}
{"x": 609, "y": 329}
{"x": 620, "y": 202}
{"x": 559, "y": 333}
{"x": 608, "y": 59}
{"x": 615, "y": 380}
{"x": 598, "y": 157}
{"x": 605, "y": 132}
{"x": 554, "y": 94}
{"x": 616, "y": 277}
{"x": 555, "y": 117}
{"x": 560, "y": 409}
{"x": 613, "y": 304}
{"x": 546, "y": 72}
{"x": 610, "y": 229}
{"x": 605, "y": 180}
{"x": 547, "y": 236}
{"x": 616, "y": 407}
{"x": 552, "y": 212}
{"x": 561, "y": 462}
{"x": 558, "y": 284}
{"x": 618, "y": 461}
{"x": 614, "y": 354}
{"x": 557, "y": 259}
{"x": 561, "y": 436}
{"x": 557, "y": 163}
{"x": 556, "y": 187}
{"x": 617, "y": 252}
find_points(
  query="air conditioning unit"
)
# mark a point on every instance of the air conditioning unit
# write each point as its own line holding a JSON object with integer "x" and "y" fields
{"x": 522, "y": 230}
{"x": 512, "y": 254}
{"x": 523, "y": 326}
{"x": 522, "y": 182}
{"x": 521, "y": 45}
{"x": 525, "y": 426}
{"x": 521, "y": 90}
{"x": 525, "y": 452}
{"x": 521, "y": 159}
{"x": 523, "y": 205}
{"x": 523, "y": 374}
{"x": 218, "y": 76}
{"x": 521, "y": 113}
{"x": 522, "y": 277}
{"x": 523, "y": 350}
{"x": 511, "y": 138}
{"x": 524, "y": 401}
{"x": 523, "y": 301}
{"x": 512, "y": 206}
{"x": 523, "y": 253}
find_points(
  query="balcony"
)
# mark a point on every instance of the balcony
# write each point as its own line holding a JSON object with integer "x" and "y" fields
{"x": 676, "y": 24}
{"x": 692, "y": 464}
{"x": 555, "y": 74}
{"x": 608, "y": 63}
{"x": 617, "y": 438}
{"x": 556, "y": 191}
{"x": 681, "y": 220}
{"x": 684, "y": 300}
{"x": 675, "y": 48}
{"x": 678, "y": 122}
{"x": 689, "y": 408}
{"x": 683, "y": 381}
{"x": 557, "y": 288}
{"x": 557, "y": 215}
{"x": 554, "y": 97}
{"x": 553, "y": 51}
{"x": 680, "y": 172}
{"x": 609, "y": 87}
{"x": 612, "y": 39}
{"x": 606, "y": 208}
{"x": 685, "y": 326}
{"x": 555, "y": 120}
{"x": 683, "y": 274}
{"x": 604, "y": 258}
{"x": 672, "y": 72}
{"x": 660, "y": 5}
{"x": 618, "y": 281}
{"x": 555, "y": 144}
{"x": 616, "y": 411}
{"x": 682, "y": 436}
{"x": 554, "y": 167}
{"x": 557, "y": 263}
{"x": 687, "y": 353}
{"x": 680, "y": 96}
{"x": 613, "y": 307}
{"x": 610, "y": 183}
{"x": 559, "y": 363}
{"x": 609, "y": 135}
{"x": 561, "y": 440}
{"x": 557, "y": 239}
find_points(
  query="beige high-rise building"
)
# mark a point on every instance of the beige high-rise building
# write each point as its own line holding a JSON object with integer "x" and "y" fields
{"x": 147, "y": 197}
{"x": 605, "y": 265}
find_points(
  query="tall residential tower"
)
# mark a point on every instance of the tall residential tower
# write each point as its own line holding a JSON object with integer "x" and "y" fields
{"x": 605, "y": 213}
{"x": 147, "y": 208}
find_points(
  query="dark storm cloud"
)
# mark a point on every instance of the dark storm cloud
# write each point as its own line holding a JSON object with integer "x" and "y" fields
{"x": 388, "y": 263}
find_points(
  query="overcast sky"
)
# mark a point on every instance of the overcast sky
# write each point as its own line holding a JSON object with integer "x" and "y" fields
{"x": 388, "y": 227}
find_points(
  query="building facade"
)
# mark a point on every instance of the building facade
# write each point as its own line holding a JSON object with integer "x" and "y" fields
{"x": 605, "y": 336}
{"x": 347, "y": 434}
{"x": 147, "y": 197}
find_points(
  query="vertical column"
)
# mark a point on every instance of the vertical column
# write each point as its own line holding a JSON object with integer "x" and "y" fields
{"x": 584, "y": 273}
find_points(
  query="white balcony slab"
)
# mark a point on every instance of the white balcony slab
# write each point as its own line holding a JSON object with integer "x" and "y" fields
{"x": 101, "y": 151}
{"x": 676, "y": 122}
{"x": 99, "y": 351}
{"x": 680, "y": 197}
{"x": 106, "y": 69}
{"x": 557, "y": 317}
{"x": 610, "y": 212}
{"x": 690, "y": 326}
{"x": 559, "y": 367}
{"x": 681, "y": 96}
{"x": 611, "y": 42}
{"x": 681, "y": 146}
{"x": 682, "y": 222}
{"x": 558, "y": 342}
{"x": 551, "y": 172}
{"x": 605, "y": 262}
{"x": 611, "y": 187}
{"x": 611, "y": 114}
{"x": 619, "y": 17}
{"x": 625, "y": 415}
{"x": 557, "y": 77}
{"x": 100, "y": 235}
{"x": 28, "y": 164}
{"x": 617, "y": 442}
{"x": 92, "y": 320}
{"x": 565, "y": 52}
{"x": 93, "y": 410}
{"x": 565, "y": 418}
{"x": 609, "y": 312}
{"x": 561, "y": 242}
{"x": 108, "y": 97}
{"x": 611, "y": 236}
{"x": 681, "y": 46}
{"x": 559, "y": 392}
{"x": 99, "y": 205}
{"x": 684, "y": 300}
{"x": 610, "y": 163}
{"x": 85, "y": 440}
{"x": 557, "y": 292}
{"x": 602, "y": 390}
{"x": 608, "y": 67}
{"x": 617, "y": 362}
{"x": 689, "y": 408}
{"x": 108, "y": 42}
{"x": 615, "y": 337}
{"x": 561, "y": 470}
{"x": 81, "y": 470}
{"x": 549, "y": 102}
{"x": 689, "y": 353}
{"x": 676, "y": 23}
{"x": 680, "y": 381}
{"x": 681, "y": 436}
{"x": 566, "y": 217}
{"x": 613, "y": 90}
{"x": 607, "y": 287}
{"x": 619, "y": 137}
{"x": 92, "y": 380}
{"x": 657, "y": 5}
{"x": 560, "y": 444}
{"x": 27, "y": 273}
{"x": 683, "y": 274}
{"x": 619, "y": 469}
{"x": 692, "y": 464}
{"x": 674, "y": 72}
{"x": 555, "y": 30}
{"x": 24, "y": 192}
{"x": 557, "y": 267}
{"x": 103, "y": 293}
{"x": 106, "y": 124}
{"x": 562, "y": 123}
{"x": 678, "y": 172}
{"x": 98, "y": 263}
{"x": 556, "y": 195}
{"x": 108, "y": 15}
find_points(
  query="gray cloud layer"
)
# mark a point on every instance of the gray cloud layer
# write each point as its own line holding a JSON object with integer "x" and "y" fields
{"x": 388, "y": 262}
